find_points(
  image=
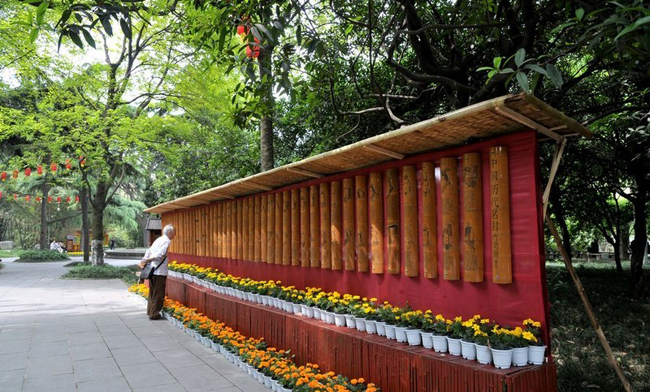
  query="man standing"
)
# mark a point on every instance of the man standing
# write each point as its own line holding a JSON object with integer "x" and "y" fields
{"x": 157, "y": 255}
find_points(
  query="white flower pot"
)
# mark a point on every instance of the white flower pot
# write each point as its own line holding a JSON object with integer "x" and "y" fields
{"x": 502, "y": 358}
{"x": 413, "y": 336}
{"x": 371, "y": 327}
{"x": 483, "y": 354}
{"x": 520, "y": 356}
{"x": 316, "y": 313}
{"x": 296, "y": 308}
{"x": 390, "y": 331}
{"x": 381, "y": 328}
{"x": 339, "y": 320}
{"x": 468, "y": 350}
{"x": 361, "y": 323}
{"x": 303, "y": 310}
{"x": 274, "y": 385}
{"x": 400, "y": 334}
{"x": 349, "y": 321}
{"x": 536, "y": 354}
{"x": 267, "y": 381}
{"x": 454, "y": 346}
{"x": 427, "y": 339}
{"x": 309, "y": 311}
{"x": 329, "y": 317}
{"x": 323, "y": 315}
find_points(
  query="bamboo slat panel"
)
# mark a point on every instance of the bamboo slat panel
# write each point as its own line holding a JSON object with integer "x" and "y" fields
{"x": 500, "y": 213}
{"x": 258, "y": 229}
{"x": 295, "y": 227}
{"x": 228, "y": 216}
{"x": 348, "y": 224}
{"x": 251, "y": 228}
{"x": 376, "y": 196}
{"x": 270, "y": 229}
{"x": 278, "y": 228}
{"x": 240, "y": 229}
{"x": 264, "y": 235}
{"x": 325, "y": 227}
{"x": 314, "y": 222}
{"x": 450, "y": 237}
{"x": 220, "y": 236}
{"x": 393, "y": 231}
{"x": 245, "y": 229}
{"x": 473, "y": 218}
{"x": 286, "y": 228}
{"x": 429, "y": 221}
{"x": 410, "y": 224}
{"x": 361, "y": 208}
{"x": 335, "y": 201}
{"x": 305, "y": 231}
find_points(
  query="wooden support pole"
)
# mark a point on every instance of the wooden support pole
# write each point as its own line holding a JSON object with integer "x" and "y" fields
{"x": 376, "y": 197}
{"x": 304, "y": 227}
{"x": 222, "y": 232}
{"x": 473, "y": 218}
{"x": 286, "y": 228}
{"x": 245, "y": 228}
{"x": 227, "y": 216}
{"x": 251, "y": 229}
{"x": 278, "y": 228}
{"x": 240, "y": 229}
{"x": 429, "y": 221}
{"x": 264, "y": 229}
{"x": 585, "y": 301}
{"x": 257, "y": 251}
{"x": 393, "y": 231}
{"x": 270, "y": 229}
{"x": 450, "y": 238}
{"x": 500, "y": 216}
{"x": 295, "y": 227}
{"x": 325, "y": 227}
{"x": 348, "y": 224}
{"x": 361, "y": 209}
{"x": 314, "y": 227}
{"x": 335, "y": 229}
{"x": 410, "y": 221}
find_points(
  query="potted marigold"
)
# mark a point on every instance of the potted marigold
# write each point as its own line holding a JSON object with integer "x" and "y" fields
{"x": 389, "y": 314}
{"x": 468, "y": 348}
{"x": 501, "y": 341}
{"x": 340, "y": 309}
{"x": 440, "y": 331}
{"x": 414, "y": 321}
{"x": 427, "y": 330}
{"x": 370, "y": 316}
{"x": 536, "y": 348}
{"x": 359, "y": 314}
{"x": 482, "y": 330}
{"x": 455, "y": 333}
{"x": 520, "y": 347}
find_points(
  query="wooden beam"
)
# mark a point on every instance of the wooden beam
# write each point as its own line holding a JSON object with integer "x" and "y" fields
{"x": 221, "y": 194}
{"x": 251, "y": 184}
{"x": 523, "y": 120}
{"x": 304, "y": 172}
{"x": 557, "y": 156}
{"x": 384, "y": 151}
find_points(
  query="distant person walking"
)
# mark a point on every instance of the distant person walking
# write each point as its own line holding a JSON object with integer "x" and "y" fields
{"x": 157, "y": 255}
{"x": 111, "y": 245}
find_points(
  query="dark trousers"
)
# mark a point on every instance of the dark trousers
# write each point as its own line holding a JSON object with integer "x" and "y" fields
{"x": 156, "y": 295}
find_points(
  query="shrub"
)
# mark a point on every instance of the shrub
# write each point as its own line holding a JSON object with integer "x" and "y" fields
{"x": 36, "y": 256}
{"x": 85, "y": 271}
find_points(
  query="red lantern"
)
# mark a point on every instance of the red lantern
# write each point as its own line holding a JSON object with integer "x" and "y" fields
{"x": 39, "y": 170}
{"x": 243, "y": 30}
{"x": 67, "y": 199}
{"x": 67, "y": 164}
{"x": 28, "y": 172}
{"x": 38, "y": 199}
{"x": 82, "y": 161}
{"x": 49, "y": 199}
{"x": 76, "y": 199}
{"x": 15, "y": 174}
{"x": 0, "y": 194}
{"x": 3, "y": 176}
{"x": 53, "y": 167}
{"x": 58, "y": 199}
{"x": 28, "y": 198}
{"x": 15, "y": 196}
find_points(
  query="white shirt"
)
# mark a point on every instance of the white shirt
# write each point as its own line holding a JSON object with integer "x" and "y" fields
{"x": 158, "y": 250}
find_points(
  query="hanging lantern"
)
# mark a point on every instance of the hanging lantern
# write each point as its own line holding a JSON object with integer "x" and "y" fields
{"x": 53, "y": 167}
{"x": 0, "y": 194}
{"x": 49, "y": 199}
{"x": 15, "y": 174}
{"x": 254, "y": 51}
{"x": 58, "y": 199}
{"x": 68, "y": 165}
{"x": 39, "y": 170}
{"x": 3, "y": 176}
{"x": 28, "y": 172}
{"x": 243, "y": 30}
{"x": 76, "y": 199}
{"x": 38, "y": 199}
{"x": 67, "y": 199}
{"x": 28, "y": 198}
{"x": 82, "y": 161}
{"x": 15, "y": 196}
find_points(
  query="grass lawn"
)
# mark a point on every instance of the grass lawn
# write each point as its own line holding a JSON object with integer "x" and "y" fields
{"x": 10, "y": 253}
{"x": 582, "y": 365}
{"x": 81, "y": 270}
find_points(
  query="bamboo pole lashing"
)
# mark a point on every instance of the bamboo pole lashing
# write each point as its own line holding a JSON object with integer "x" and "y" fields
{"x": 335, "y": 229}
{"x": 361, "y": 235}
{"x": 278, "y": 228}
{"x": 429, "y": 221}
{"x": 286, "y": 228}
{"x": 270, "y": 229}
{"x": 410, "y": 221}
{"x": 258, "y": 229}
{"x": 295, "y": 227}
{"x": 376, "y": 200}
{"x": 314, "y": 226}
{"x": 393, "y": 232}
{"x": 450, "y": 235}
{"x": 473, "y": 218}
{"x": 348, "y": 224}
{"x": 500, "y": 216}
{"x": 304, "y": 227}
{"x": 325, "y": 226}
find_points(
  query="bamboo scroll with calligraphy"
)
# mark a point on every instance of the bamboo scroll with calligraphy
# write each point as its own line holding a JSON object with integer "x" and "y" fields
{"x": 410, "y": 224}
{"x": 392, "y": 220}
{"x": 348, "y": 224}
{"x": 295, "y": 226}
{"x": 278, "y": 228}
{"x": 473, "y": 218}
{"x": 361, "y": 209}
{"x": 286, "y": 228}
{"x": 335, "y": 201}
{"x": 450, "y": 237}
{"x": 270, "y": 229}
{"x": 429, "y": 223}
{"x": 500, "y": 216}
{"x": 304, "y": 227}
{"x": 264, "y": 236}
{"x": 376, "y": 197}
{"x": 314, "y": 227}
{"x": 257, "y": 251}
{"x": 325, "y": 227}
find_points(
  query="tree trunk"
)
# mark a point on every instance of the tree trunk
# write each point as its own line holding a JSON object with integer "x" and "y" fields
{"x": 85, "y": 229}
{"x": 625, "y": 241}
{"x": 638, "y": 246}
{"x": 266, "y": 123}
{"x": 99, "y": 204}
{"x": 44, "y": 240}
{"x": 617, "y": 254}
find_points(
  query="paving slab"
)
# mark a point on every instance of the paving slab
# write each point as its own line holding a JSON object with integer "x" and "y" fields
{"x": 93, "y": 336}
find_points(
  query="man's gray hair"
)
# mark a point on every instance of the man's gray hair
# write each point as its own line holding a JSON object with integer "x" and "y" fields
{"x": 168, "y": 229}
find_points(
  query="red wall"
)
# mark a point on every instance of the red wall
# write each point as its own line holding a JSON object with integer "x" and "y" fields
{"x": 507, "y": 304}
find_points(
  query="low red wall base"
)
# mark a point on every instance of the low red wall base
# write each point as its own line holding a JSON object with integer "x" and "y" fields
{"x": 394, "y": 367}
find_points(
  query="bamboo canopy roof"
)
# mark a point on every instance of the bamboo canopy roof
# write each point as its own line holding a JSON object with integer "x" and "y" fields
{"x": 484, "y": 120}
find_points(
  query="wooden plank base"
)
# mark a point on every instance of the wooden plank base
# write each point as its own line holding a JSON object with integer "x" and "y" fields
{"x": 394, "y": 367}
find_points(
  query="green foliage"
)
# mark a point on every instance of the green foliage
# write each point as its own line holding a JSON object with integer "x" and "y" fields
{"x": 36, "y": 256}
{"x": 87, "y": 271}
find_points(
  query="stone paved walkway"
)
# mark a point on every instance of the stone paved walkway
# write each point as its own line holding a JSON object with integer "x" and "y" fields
{"x": 90, "y": 335}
